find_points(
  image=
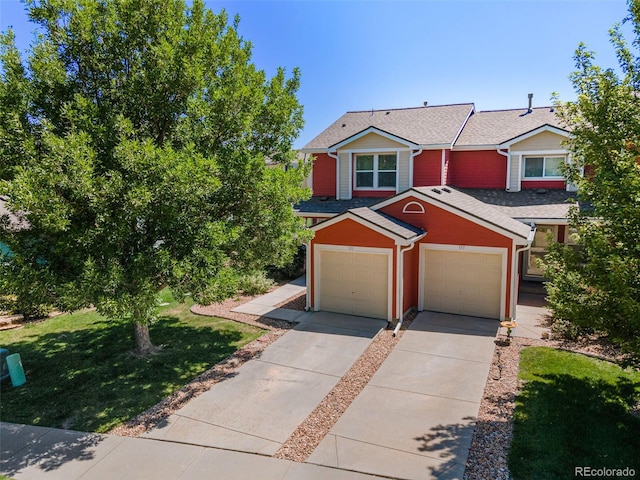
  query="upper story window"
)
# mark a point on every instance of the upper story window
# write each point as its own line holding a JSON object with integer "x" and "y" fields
{"x": 543, "y": 167}
{"x": 376, "y": 171}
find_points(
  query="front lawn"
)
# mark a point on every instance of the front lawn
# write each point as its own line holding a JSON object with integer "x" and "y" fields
{"x": 573, "y": 411}
{"x": 82, "y": 375}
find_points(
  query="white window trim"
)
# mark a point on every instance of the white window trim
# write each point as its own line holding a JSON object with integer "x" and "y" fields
{"x": 375, "y": 170}
{"x": 544, "y": 157}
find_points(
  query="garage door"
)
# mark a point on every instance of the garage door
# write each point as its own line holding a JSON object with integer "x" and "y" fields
{"x": 464, "y": 283}
{"x": 354, "y": 283}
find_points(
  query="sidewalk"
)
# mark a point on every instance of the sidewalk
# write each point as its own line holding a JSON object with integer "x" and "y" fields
{"x": 32, "y": 453}
{"x": 265, "y": 305}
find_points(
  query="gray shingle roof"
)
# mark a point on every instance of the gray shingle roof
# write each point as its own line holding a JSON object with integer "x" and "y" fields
{"x": 528, "y": 204}
{"x": 492, "y": 128}
{"x": 331, "y": 205}
{"x": 387, "y": 222}
{"x": 432, "y": 125}
{"x": 474, "y": 207}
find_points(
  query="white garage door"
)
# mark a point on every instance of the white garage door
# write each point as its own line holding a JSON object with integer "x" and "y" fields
{"x": 464, "y": 283}
{"x": 354, "y": 283}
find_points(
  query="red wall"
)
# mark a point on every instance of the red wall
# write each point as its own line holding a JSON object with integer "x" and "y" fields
{"x": 477, "y": 169}
{"x": 373, "y": 193}
{"x": 548, "y": 184}
{"x": 443, "y": 227}
{"x": 426, "y": 168}
{"x": 350, "y": 232}
{"x": 324, "y": 175}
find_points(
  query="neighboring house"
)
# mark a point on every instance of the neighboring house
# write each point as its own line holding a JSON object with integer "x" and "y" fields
{"x": 438, "y": 207}
{"x": 12, "y": 221}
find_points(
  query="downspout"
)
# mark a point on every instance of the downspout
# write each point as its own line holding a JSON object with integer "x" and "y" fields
{"x": 308, "y": 276}
{"x": 411, "y": 159}
{"x": 337, "y": 159}
{"x": 514, "y": 269}
{"x": 400, "y": 283}
{"x": 506, "y": 154}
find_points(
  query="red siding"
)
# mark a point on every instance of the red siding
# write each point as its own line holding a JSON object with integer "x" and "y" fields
{"x": 410, "y": 277}
{"x": 426, "y": 168}
{"x": 373, "y": 193}
{"x": 446, "y": 173}
{"x": 443, "y": 227}
{"x": 478, "y": 169}
{"x": 350, "y": 232}
{"x": 324, "y": 175}
{"x": 548, "y": 184}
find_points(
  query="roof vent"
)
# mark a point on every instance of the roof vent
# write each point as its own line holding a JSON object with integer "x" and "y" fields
{"x": 529, "y": 110}
{"x": 435, "y": 190}
{"x": 446, "y": 190}
{"x": 344, "y": 125}
{"x": 424, "y": 104}
{"x": 387, "y": 113}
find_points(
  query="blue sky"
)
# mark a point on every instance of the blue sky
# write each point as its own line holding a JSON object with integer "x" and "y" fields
{"x": 358, "y": 55}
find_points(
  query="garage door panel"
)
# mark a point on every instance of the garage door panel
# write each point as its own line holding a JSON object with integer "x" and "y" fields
{"x": 355, "y": 283}
{"x": 465, "y": 283}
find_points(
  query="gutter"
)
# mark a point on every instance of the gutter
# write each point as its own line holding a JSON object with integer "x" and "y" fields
{"x": 412, "y": 155}
{"x": 337, "y": 159}
{"x": 506, "y": 154}
{"x": 514, "y": 270}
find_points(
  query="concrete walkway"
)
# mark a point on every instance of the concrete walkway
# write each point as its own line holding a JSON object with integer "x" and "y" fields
{"x": 415, "y": 418}
{"x": 34, "y": 453}
{"x": 531, "y": 316}
{"x": 265, "y": 305}
{"x": 261, "y": 406}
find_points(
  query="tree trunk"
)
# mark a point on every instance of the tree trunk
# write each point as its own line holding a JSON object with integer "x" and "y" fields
{"x": 143, "y": 339}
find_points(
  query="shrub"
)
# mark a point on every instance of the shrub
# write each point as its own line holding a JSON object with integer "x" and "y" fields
{"x": 293, "y": 269}
{"x": 255, "y": 283}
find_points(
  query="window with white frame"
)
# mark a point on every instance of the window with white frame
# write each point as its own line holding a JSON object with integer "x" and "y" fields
{"x": 543, "y": 167}
{"x": 376, "y": 171}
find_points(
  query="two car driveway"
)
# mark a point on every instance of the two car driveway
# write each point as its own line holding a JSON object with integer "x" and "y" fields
{"x": 413, "y": 420}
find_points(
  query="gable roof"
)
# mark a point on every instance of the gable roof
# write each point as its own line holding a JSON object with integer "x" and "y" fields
{"x": 467, "y": 207}
{"x": 387, "y": 222}
{"x": 494, "y": 127}
{"x": 432, "y": 125}
{"x": 384, "y": 224}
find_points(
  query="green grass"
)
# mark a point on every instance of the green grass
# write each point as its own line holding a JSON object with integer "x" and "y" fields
{"x": 573, "y": 411}
{"x": 81, "y": 373}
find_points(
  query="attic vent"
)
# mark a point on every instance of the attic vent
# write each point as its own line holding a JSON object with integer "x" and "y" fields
{"x": 344, "y": 125}
{"x": 446, "y": 190}
{"x": 435, "y": 190}
{"x": 387, "y": 113}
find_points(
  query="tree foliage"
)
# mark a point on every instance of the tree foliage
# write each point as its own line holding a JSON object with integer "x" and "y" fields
{"x": 597, "y": 285}
{"x": 133, "y": 141}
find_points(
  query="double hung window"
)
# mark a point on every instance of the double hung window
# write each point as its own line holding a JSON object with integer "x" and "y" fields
{"x": 376, "y": 171}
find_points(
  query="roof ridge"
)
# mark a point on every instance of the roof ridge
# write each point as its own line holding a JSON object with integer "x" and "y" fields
{"x": 410, "y": 108}
{"x": 516, "y": 109}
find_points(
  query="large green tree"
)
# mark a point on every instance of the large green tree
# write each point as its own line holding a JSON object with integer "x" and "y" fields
{"x": 133, "y": 142}
{"x": 597, "y": 285}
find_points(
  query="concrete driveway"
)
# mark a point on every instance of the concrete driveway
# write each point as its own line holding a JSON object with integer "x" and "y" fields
{"x": 415, "y": 418}
{"x": 260, "y": 407}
